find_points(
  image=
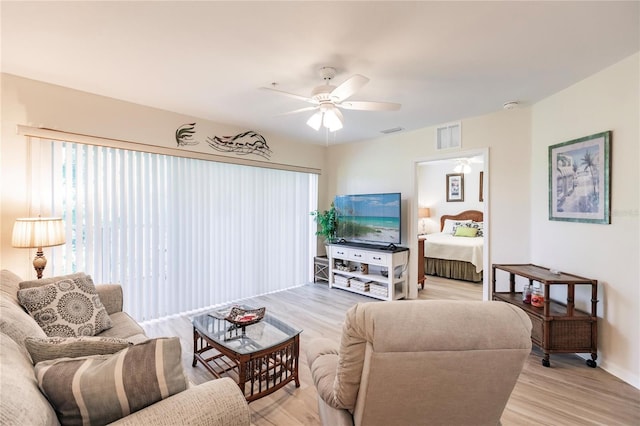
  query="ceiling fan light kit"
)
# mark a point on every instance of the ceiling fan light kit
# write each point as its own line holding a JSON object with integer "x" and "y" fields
{"x": 327, "y": 116}
{"x": 328, "y": 100}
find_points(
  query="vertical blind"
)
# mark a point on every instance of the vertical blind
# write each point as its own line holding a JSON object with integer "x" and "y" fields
{"x": 180, "y": 234}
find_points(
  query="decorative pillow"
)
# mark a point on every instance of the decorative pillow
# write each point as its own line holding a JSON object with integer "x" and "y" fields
{"x": 465, "y": 231}
{"x": 100, "y": 389}
{"x": 475, "y": 225}
{"x": 67, "y": 308}
{"x": 43, "y": 349}
{"x": 450, "y": 225}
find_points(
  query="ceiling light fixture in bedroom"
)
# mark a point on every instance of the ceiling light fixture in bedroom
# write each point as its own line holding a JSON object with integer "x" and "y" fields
{"x": 462, "y": 166}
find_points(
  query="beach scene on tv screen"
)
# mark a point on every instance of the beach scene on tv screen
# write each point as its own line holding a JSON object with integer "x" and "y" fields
{"x": 374, "y": 217}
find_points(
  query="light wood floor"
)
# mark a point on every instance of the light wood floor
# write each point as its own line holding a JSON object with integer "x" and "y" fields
{"x": 567, "y": 393}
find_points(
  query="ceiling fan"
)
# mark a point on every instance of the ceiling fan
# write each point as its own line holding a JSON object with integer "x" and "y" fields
{"x": 327, "y": 100}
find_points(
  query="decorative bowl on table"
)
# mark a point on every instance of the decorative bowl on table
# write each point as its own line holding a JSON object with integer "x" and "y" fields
{"x": 242, "y": 317}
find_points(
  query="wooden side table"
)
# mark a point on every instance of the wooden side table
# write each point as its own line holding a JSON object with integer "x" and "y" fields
{"x": 320, "y": 269}
{"x": 557, "y": 326}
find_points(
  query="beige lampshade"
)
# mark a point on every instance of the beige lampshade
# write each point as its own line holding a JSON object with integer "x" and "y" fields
{"x": 424, "y": 212}
{"x": 36, "y": 232}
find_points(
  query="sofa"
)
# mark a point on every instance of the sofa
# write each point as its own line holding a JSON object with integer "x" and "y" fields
{"x": 22, "y": 402}
{"x": 421, "y": 362}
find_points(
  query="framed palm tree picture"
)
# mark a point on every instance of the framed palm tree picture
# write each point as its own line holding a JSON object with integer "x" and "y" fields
{"x": 579, "y": 176}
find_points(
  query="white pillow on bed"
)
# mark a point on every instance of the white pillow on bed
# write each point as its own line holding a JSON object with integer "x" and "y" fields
{"x": 450, "y": 225}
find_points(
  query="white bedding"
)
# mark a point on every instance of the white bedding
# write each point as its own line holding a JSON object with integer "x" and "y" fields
{"x": 446, "y": 246}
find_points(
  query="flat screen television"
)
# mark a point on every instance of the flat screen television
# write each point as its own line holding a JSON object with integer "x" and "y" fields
{"x": 369, "y": 218}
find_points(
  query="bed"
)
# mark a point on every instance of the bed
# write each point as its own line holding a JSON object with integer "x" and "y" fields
{"x": 454, "y": 256}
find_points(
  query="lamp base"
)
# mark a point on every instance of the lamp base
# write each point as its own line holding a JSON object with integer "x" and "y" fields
{"x": 39, "y": 262}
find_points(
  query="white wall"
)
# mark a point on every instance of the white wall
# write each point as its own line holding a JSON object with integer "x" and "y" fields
{"x": 608, "y": 100}
{"x": 37, "y": 104}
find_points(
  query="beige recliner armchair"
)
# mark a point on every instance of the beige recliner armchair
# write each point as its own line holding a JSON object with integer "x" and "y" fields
{"x": 421, "y": 362}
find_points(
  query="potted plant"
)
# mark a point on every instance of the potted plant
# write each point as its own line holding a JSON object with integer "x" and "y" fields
{"x": 327, "y": 223}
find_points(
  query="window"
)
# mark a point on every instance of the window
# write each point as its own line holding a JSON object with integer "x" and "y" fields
{"x": 180, "y": 234}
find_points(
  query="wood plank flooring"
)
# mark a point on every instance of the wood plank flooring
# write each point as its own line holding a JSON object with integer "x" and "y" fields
{"x": 568, "y": 393}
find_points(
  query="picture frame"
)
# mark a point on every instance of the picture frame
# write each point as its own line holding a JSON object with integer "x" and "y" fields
{"x": 455, "y": 187}
{"x": 579, "y": 179}
{"x": 480, "y": 191}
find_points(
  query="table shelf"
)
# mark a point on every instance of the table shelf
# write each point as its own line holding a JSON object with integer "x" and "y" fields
{"x": 557, "y": 326}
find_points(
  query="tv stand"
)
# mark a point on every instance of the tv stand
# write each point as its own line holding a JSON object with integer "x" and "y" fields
{"x": 369, "y": 246}
{"x": 360, "y": 268}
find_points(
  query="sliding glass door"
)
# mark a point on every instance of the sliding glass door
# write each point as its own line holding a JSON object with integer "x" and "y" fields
{"x": 180, "y": 234}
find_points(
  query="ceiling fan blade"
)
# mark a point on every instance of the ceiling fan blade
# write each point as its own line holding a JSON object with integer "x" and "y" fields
{"x": 349, "y": 87}
{"x": 291, "y": 95}
{"x": 370, "y": 106}
{"x": 339, "y": 115}
{"x": 295, "y": 111}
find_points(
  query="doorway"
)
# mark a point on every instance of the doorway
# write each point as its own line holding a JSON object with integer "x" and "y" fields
{"x": 430, "y": 195}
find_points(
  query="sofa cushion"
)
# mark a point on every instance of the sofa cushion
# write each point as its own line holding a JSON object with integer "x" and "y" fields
{"x": 17, "y": 324}
{"x": 43, "y": 349}
{"x": 103, "y": 388}
{"x": 124, "y": 327}
{"x": 9, "y": 284}
{"x": 21, "y": 402}
{"x": 66, "y": 308}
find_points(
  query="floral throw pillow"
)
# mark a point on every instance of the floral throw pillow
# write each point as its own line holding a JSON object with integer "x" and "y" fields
{"x": 66, "y": 308}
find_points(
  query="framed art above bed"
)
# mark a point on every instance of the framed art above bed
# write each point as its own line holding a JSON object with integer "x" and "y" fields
{"x": 455, "y": 187}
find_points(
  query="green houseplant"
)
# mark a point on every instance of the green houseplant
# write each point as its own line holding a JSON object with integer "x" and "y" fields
{"x": 327, "y": 223}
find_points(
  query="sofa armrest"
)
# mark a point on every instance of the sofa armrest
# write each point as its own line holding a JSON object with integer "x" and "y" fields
{"x": 323, "y": 374}
{"x": 318, "y": 347}
{"x": 217, "y": 402}
{"x": 111, "y": 297}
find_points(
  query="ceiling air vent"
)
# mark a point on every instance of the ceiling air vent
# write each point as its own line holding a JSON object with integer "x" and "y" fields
{"x": 448, "y": 136}
{"x": 392, "y": 130}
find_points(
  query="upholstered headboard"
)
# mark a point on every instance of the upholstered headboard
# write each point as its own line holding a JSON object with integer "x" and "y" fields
{"x": 474, "y": 215}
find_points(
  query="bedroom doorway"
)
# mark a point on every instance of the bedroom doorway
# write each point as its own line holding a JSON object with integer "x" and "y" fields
{"x": 437, "y": 194}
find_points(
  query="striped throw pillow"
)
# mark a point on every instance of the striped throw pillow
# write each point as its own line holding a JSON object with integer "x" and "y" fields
{"x": 100, "y": 389}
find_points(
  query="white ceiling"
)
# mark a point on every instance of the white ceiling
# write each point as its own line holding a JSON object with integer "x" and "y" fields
{"x": 442, "y": 61}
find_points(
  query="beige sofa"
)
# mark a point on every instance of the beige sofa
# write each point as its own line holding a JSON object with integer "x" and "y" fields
{"x": 421, "y": 362}
{"x": 217, "y": 402}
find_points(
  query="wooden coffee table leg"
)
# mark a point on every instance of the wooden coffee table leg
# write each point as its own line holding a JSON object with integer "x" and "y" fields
{"x": 195, "y": 347}
{"x": 296, "y": 359}
{"x": 242, "y": 371}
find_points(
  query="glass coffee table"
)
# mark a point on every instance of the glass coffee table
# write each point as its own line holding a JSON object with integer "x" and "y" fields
{"x": 262, "y": 357}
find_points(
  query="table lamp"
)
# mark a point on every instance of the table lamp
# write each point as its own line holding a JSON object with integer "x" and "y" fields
{"x": 423, "y": 213}
{"x": 38, "y": 232}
